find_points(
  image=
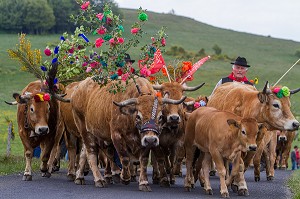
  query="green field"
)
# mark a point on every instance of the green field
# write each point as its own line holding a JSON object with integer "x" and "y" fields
{"x": 269, "y": 58}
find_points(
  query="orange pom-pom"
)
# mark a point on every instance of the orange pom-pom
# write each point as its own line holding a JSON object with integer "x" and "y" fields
{"x": 158, "y": 94}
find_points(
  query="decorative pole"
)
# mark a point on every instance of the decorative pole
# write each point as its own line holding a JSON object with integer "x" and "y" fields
{"x": 286, "y": 72}
{"x": 167, "y": 73}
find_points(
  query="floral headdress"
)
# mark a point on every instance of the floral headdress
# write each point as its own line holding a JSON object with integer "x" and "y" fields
{"x": 281, "y": 92}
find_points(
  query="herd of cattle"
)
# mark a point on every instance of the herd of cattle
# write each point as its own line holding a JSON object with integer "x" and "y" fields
{"x": 238, "y": 126}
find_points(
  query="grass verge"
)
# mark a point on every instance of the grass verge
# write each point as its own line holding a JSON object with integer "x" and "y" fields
{"x": 293, "y": 183}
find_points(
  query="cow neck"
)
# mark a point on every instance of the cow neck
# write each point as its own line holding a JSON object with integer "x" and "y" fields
{"x": 150, "y": 125}
{"x": 26, "y": 125}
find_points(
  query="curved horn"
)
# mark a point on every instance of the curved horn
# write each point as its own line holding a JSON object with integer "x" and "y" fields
{"x": 190, "y": 103}
{"x": 11, "y": 103}
{"x": 172, "y": 101}
{"x": 266, "y": 89}
{"x": 60, "y": 98}
{"x": 126, "y": 102}
{"x": 294, "y": 91}
{"x": 187, "y": 88}
{"x": 157, "y": 87}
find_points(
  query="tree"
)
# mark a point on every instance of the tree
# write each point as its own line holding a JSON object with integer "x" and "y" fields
{"x": 217, "y": 49}
{"x": 38, "y": 17}
{"x": 114, "y": 7}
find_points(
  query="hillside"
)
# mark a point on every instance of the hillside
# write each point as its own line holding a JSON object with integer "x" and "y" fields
{"x": 269, "y": 58}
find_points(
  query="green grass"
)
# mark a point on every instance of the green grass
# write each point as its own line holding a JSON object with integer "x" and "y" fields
{"x": 269, "y": 59}
{"x": 293, "y": 183}
{"x": 16, "y": 164}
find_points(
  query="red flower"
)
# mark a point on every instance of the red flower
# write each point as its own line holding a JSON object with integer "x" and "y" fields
{"x": 101, "y": 30}
{"x": 135, "y": 30}
{"x": 47, "y": 52}
{"x": 46, "y": 97}
{"x": 120, "y": 40}
{"x": 71, "y": 50}
{"x": 99, "y": 42}
{"x": 163, "y": 41}
{"x": 132, "y": 70}
{"x": 94, "y": 64}
{"x": 85, "y": 5}
{"x": 119, "y": 72}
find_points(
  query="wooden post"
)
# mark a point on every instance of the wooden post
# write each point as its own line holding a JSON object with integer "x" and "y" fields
{"x": 9, "y": 135}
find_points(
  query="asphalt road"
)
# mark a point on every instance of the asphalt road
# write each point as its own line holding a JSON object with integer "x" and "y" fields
{"x": 58, "y": 186}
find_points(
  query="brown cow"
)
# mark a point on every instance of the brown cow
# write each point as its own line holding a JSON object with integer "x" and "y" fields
{"x": 283, "y": 148}
{"x": 219, "y": 135}
{"x": 37, "y": 119}
{"x": 172, "y": 131}
{"x": 246, "y": 101}
{"x": 132, "y": 124}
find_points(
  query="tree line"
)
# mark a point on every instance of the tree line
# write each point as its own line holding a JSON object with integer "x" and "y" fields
{"x": 43, "y": 16}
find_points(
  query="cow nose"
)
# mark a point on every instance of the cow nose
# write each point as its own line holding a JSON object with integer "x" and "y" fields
{"x": 43, "y": 130}
{"x": 282, "y": 139}
{"x": 174, "y": 118}
{"x": 252, "y": 148}
{"x": 152, "y": 141}
{"x": 296, "y": 125}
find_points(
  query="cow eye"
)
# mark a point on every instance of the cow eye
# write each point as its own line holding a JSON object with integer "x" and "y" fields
{"x": 138, "y": 117}
{"x": 31, "y": 110}
{"x": 160, "y": 118}
{"x": 276, "y": 105}
{"x": 244, "y": 132}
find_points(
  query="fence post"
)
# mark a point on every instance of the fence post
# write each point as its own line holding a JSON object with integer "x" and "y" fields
{"x": 9, "y": 135}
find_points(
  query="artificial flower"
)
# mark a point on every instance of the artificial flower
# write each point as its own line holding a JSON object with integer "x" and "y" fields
{"x": 145, "y": 71}
{"x": 47, "y": 52}
{"x": 164, "y": 71}
{"x": 44, "y": 68}
{"x": 54, "y": 60}
{"x": 143, "y": 16}
{"x": 62, "y": 38}
{"x": 112, "y": 41}
{"x": 197, "y": 105}
{"x": 99, "y": 42}
{"x": 114, "y": 76}
{"x": 121, "y": 28}
{"x": 46, "y": 97}
{"x": 120, "y": 40}
{"x": 135, "y": 30}
{"x": 85, "y": 5}
{"x": 285, "y": 91}
{"x": 88, "y": 69}
{"x": 107, "y": 37}
{"x": 163, "y": 41}
{"x": 276, "y": 90}
{"x": 279, "y": 94}
{"x": 71, "y": 50}
{"x": 94, "y": 64}
{"x": 100, "y": 16}
{"x": 158, "y": 94}
{"x": 101, "y": 30}
{"x": 84, "y": 64}
{"x": 202, "y": 103}
{"x": 55, "y": 80}
{"x": 56, "y": 49}
{"x": 119, "y": 72}
{"x": 125, "y": 76}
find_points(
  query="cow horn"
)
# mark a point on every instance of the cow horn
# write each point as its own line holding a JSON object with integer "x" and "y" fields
{"x": 172, "y": 101}
{"x": 11, "y": 103}
{"x": 188, "y": 88}
{"x": 190, "y": 103}
{"x": 157, "y": 87}
{"x": 60, "y": 98}
{"x": 266, "y": 89}
{"x": 126, "y": 102}
{"x": 294, "y": 91}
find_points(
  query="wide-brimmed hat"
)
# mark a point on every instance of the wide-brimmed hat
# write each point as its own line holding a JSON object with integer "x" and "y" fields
{"x": 241, "y": 61}
{"x": 128, "y": 59}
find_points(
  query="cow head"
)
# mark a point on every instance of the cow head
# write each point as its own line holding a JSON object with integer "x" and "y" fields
{"x": 171, "y": 113}
{"x": 247, "y": 132}
{"x": 281, "y": 136}
{"x": 35, "y": 110}
{"x": 147, "y": 110}
{"x": 277, "y": 108}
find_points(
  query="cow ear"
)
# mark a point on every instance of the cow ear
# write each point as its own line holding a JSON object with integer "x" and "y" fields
{"x": 128, "y": 110}
{"x": 262, "y": 97}
{"x": 233, "y": 123}
{"x": 19, "y": 98}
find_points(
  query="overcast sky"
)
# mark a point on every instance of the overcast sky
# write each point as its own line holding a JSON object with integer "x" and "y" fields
{"x": 277, "y": 18}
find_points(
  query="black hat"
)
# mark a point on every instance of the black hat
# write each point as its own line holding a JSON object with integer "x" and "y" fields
{"x": 128, "y": 59}
{"x": 241, "y": 61}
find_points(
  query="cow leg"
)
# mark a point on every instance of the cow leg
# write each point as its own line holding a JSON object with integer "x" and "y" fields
{"x": 172, "y": 161}
{"x": 256, "y": 161}
{"x": 206, "y": 168}
{"x": 46, "y": 147}
{"x": 272, "y": 157}
{"x": 242, "y": 185}
{"x": 143, "y": 180}
{"x": 71, "y": 141}
{"x": 189, "y": 180}
{"x": 160, "y": 158}
{"x": 155, "y": 170}
{"x": 79, "y": 180}
{"x": 133, "y": 171}
{"x": 180, "y": 154}
{"x": 28, "y": 158}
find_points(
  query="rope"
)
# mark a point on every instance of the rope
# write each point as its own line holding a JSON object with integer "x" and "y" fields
{"x": 286, "y": 72}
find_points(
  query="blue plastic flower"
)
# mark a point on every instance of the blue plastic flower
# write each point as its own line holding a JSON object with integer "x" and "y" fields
{"x": 55, "y": 81}
{"x": 62, "y": 38}
{"x": 114, "y": 76}
{"x": 44, "y": 68}
{"x": 103, "y": 63}
{"x": 56, "y": 49}
{"x": 54, "y": 60}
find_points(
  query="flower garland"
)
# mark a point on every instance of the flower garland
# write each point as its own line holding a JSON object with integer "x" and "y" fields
{"x": 281, "y": 92}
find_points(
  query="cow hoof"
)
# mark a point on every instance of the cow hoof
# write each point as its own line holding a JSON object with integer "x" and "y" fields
{"x": 257, "y": 178}
{"x": 71, "y": 177}
{"x": 225, "y": 195}
{"x": 145, "y": 188}
{"x": 133, "y": 179}
{"x": 193, "y": 186}
{"x": 125, "y": 182}
{"x": 109, "y": 180}
{"x": 164, "y": 183}
{"x": 172, "y": 182}
{"x": 55, "y": 168}
{"x": 234, "y": 188}
{"x": 202, "y": 184}
{"x": 243, "y": 192}
{"x": 85, "y": 173}
{"x": 209, "y": 192}
{"x": 155, "y": 180}
{"x": 212, "y": 173}
{"x": 116, "y": 178}
{"x": 270, "y": 178}
{"x": 100, "y": 183}
{"x": 80, "y": 181}
{"x": 27, "y": 178}
{"x": 275, "y": 166}
{"x": 188, "y": 189}
{"x": 46, "y": 174}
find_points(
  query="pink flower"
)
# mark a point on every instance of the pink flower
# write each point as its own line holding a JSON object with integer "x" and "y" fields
{"x": 101, "y": 30}
{"x": 94, "y": 64}
{"x": 276, "y": 90}
{"x": 125, "y": 76}
{"x": 100, "y": 16}
{"x": 46, "y": 97}
{"x": 153, "y": 39}
{"x": 47, "y": 52}
{"x": 120, "y": 40}
{"x": 145, "y": 71}
{"x": 135, "y": 30}
{"x": 112, "y": 41}
{"x": 85, "y": 5}
{"x": 196, "y": 105}
{"x": 88, "y": 69}
{"x": 99, "y": 42}
{"x": 84, "y": 64}
{"x": 163, "y": 41}
{"x": 71, "y": 50}
{"x": 108, "y": 20}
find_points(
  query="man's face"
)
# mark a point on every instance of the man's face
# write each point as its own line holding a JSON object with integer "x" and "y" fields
{"x": 239, "y": 72}
{"x": 128, "y": 63}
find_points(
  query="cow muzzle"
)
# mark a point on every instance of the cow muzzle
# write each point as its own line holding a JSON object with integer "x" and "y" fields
{"x": 150, "y": 141}
{"x": 252, "y": 147}
{"x": 296, "y": 125}
{"x": 42, "y": 130}
{"x": 282, "y": 138}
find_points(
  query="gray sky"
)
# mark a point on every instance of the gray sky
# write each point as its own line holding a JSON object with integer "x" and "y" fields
{"x": 277, "y": 18}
